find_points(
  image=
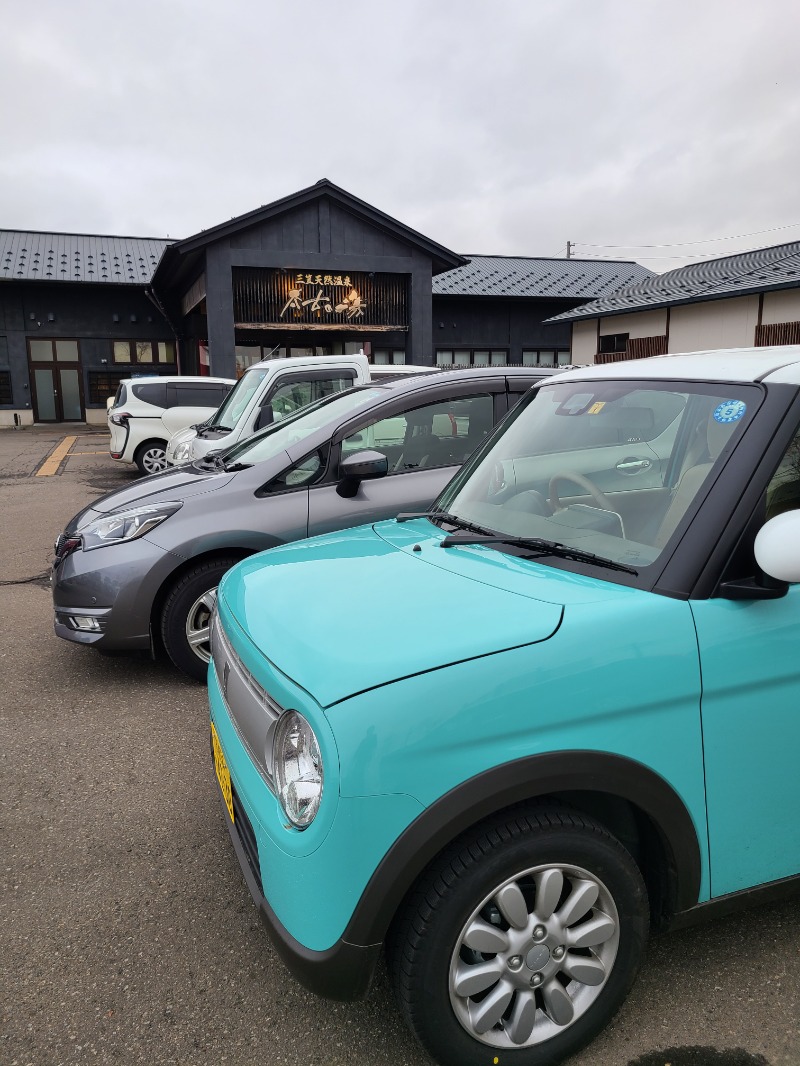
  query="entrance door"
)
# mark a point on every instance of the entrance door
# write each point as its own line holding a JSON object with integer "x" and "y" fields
{"x": 56, "y": 380}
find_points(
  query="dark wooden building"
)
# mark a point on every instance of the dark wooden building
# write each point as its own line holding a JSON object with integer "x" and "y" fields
{"x": 318, "y": 272}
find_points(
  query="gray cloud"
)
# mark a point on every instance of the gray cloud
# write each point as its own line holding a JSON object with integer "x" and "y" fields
{"x": 503, "y": 127}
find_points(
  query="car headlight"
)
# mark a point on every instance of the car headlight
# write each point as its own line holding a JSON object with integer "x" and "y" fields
{"x": 183, "y": 452}
{"x": 298, "y": 768}
{"x": 122, "y": 526}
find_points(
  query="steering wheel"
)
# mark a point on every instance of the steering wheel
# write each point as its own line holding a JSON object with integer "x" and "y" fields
{"x": 582, "y": 482}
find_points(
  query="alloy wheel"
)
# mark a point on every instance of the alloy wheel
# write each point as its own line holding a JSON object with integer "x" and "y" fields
{"x": 533, "y": 956}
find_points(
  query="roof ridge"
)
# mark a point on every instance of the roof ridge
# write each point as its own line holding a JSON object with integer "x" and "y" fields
{"x": 101, "y": 236}
{"x": 546, "y": 258}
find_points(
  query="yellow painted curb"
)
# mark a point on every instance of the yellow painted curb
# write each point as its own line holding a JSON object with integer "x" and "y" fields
{"x": 56, "y": 458}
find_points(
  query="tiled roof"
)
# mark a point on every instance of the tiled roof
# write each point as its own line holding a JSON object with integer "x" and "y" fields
{"x": 743, "y": 273}
{"x": 500, "y": 275}
{"x": 29, "y": 256}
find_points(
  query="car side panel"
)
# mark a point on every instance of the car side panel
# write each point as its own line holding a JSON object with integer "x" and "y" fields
{"x": 634, "y": 692}
{"x": 751, "y": 729}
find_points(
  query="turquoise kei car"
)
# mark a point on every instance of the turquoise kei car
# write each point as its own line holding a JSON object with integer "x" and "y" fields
{"x": 505, "y": 739}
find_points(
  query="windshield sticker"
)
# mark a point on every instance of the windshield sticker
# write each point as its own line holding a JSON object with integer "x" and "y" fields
{"x": 729, "y": 411}
{"x": 596, "y": 408}
{"x": 576, "y": 404}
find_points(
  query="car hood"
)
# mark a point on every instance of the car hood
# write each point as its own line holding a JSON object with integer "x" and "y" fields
{"x": 177, "y": 484}
{"x": 350, "y": 611}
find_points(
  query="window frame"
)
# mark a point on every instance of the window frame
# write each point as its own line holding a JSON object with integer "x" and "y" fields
{"x": 400, "y": 405}
{"x": 617, "y": 339}
{"x": 471, "y": 351}
{"x": 154, "y": 344}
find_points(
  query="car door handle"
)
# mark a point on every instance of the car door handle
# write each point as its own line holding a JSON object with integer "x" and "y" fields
{"x": 633, "y": 466}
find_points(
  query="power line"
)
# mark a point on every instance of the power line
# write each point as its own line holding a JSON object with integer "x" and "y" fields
{"x": 698, "y": 255}
{"x": 688, "y": 244}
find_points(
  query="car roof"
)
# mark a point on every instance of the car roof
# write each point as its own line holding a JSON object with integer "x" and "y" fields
{"x": 780, "y": 363}
{"x": 412, "y": 382}
{"x": 142, "y": 379}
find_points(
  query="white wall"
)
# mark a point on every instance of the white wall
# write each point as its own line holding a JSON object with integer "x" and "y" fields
{"x": 638, "y": 324}
{"x": 584, "y": 341}
{"x": 7, "y": 417}
{"x": 782, "y": 306}
{"x": 714, "y": 324}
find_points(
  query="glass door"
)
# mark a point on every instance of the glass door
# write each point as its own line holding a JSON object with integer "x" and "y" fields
{"x": 56, "y": 378}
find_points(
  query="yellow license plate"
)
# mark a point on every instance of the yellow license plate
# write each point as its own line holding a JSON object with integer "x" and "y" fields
{"x": 222, "y": 771}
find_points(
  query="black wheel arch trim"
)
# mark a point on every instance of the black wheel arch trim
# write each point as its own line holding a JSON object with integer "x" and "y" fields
{"x": 526, "y": 779}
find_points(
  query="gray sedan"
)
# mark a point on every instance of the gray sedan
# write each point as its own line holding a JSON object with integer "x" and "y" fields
{"x": 140, "y": 567}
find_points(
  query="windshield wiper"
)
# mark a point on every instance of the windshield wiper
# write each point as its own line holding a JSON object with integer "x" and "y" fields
{"x": 214, "y": 460}
{"x": 236, "y": 466}
{"x": 539, "y": 547}
{"x": 204, "y": 430}
{"x": 443, "y": 516}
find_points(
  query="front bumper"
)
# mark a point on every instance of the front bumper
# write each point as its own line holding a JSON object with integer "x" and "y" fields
{"x": 116, "y": 585}
{"x": 342, "y": 972}
{"x": 308, "y": 886}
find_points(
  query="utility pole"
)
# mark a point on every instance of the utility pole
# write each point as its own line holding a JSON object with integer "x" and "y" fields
{"x": 569, "y": 249}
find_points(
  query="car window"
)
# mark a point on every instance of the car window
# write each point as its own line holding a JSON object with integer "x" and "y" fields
{"x": 197, "y": 395}
{"x": 634, "y": 417}
{"x": 153, "y": 392}
{"x": 434, "y": 435}
{"x": 303, "y": 473}
{"x": 293, "y": 395}
{"x": 783, "y": 491}
{"x": 277, "y": 438}
{"x": 610, "y": 467}
{"x": 237, "y": 400}
{"x": 217, "y": 394}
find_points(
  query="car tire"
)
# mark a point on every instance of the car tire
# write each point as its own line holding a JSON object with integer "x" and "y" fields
{"x": 187, "y": 613}
{"x": 521, "y": 941}
{"x": 151, "y": 457}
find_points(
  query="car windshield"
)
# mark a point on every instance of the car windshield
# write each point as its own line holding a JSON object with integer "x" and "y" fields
{"x": 277, "y": 438}
{"x": 606, "y": 467}
{"x": 235, "y": 403}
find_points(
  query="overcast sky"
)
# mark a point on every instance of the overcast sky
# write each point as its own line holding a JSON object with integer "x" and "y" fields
{"x": 492, "y": 127}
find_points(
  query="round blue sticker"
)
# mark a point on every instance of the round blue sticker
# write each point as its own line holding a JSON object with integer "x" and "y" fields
{"x": 729, "y": 411}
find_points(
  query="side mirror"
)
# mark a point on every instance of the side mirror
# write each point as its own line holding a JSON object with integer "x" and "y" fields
{"x": 264, "y": 419}
{"x": 358, "y": 467}
{"x": 777, "y": 547}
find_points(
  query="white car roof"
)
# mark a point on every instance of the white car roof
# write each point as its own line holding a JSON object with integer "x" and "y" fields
{"x": 145, "y": 378}
{"x": 777, "y": 364}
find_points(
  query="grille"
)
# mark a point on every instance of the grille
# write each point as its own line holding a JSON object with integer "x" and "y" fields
{"x": 252, "y": 710}
{"x": 244, "y": 830}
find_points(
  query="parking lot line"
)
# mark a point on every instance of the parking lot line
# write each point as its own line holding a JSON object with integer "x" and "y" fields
{"x": 55, "y": 458}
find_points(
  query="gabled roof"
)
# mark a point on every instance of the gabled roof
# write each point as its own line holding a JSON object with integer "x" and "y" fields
{"x": 776, "y": 267}
{"x": 30, "y": 256}
{"x": 500, "y": 275}
{"x": 442, "y": 258}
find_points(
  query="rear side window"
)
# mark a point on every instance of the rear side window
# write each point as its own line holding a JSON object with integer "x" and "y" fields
{"x": 199, "y": 395}
{"x": 154, "y": 392}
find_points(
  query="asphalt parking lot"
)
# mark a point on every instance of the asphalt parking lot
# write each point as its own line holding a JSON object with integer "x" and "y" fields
{"x": 128, "y": 935}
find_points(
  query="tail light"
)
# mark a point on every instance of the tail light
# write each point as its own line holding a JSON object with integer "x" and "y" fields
{"x": 120, "y": 419}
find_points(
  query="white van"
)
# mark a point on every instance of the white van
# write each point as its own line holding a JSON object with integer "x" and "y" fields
{"x": 147, "y": 410}
{"x": 271, "y": 390}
